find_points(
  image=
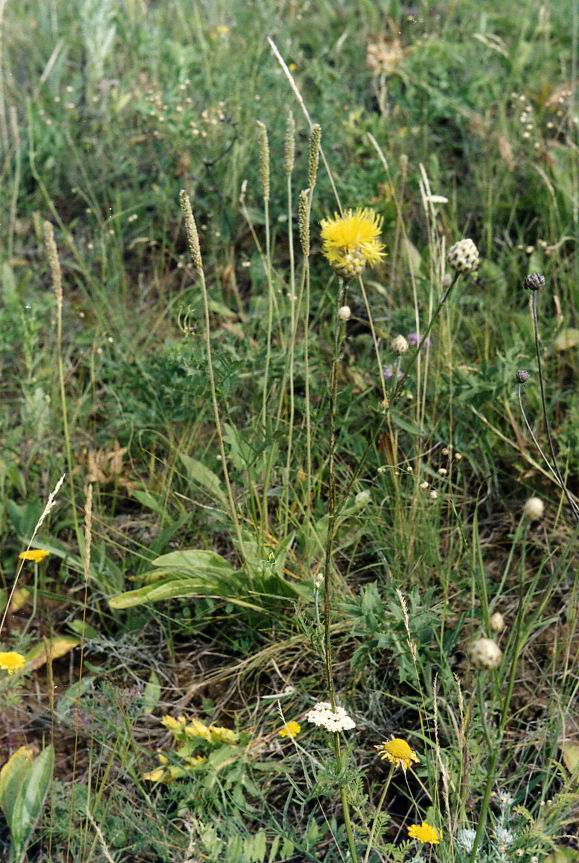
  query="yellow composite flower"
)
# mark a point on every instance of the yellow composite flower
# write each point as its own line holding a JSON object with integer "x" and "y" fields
{"x": 352, "y": 241}
{"x": 398, "y": 752}
{"x": 291, "y": 729}
{"x": 222, "y": 735}
{"x": 37, "y": 555}
{"x": 12, "y": 662}
{"x": 425, "y": 833}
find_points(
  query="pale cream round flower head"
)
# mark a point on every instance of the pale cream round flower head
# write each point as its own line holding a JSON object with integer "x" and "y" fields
{"x": 463, "y": 256}
{"x": 534, "y": 508}
{"x": 399, "y": 345}
{"x": 485, "y": 653}
{"x": 333, "y": 721}
{"x": 344, "y": 313}
{"x": 497, "y": 622}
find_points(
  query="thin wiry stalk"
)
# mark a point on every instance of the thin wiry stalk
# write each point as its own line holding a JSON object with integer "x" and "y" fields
{"x": 572, "y": 504}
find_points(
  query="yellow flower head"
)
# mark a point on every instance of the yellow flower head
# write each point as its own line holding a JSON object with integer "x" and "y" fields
{"x": 37, "y": 555}
{"x": 425, "y": 833}
{"x": 156, "y": 775}
{"x": 398, "y": 753}
{"x": 222, "y": 735}
{"x": 290, "y": 729}
{"x": 351, "y": 241}
{"x": 196, "y": 728}
{"x": 12, "y": 662}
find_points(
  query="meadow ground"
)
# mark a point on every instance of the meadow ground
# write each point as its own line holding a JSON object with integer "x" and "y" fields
{"x": 308, "y": 588}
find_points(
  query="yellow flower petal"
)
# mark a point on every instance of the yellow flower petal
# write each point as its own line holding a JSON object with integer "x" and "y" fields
{"x": 398, "y": 752}
{"x": 425, "y": 833}
{"x": 290, "y": 729}
{"x": 352, "y": 241}
{"x": 37, "y": 555}
{"x": 12, "y": 662}
{"x": 196, "y": 728}
{"x": 222, "y": 735}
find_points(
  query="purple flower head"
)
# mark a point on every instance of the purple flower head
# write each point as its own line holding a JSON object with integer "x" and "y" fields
{"x": 389, "y": 373}
{"x": 413, "y": 339}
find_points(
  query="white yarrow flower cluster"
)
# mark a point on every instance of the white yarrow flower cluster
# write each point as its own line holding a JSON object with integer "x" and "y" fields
{"x": 463, "y": 256}
{"x": 323, "y": 716}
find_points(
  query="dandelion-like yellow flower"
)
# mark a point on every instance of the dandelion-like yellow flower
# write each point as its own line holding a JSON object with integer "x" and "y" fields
{"x": 425, "y": 833}
{"x": 12, "y": 662}
{"x": 352, "y": 241}
{"x": 291, "y": 729}
{"x": 398, "y": 752}
{"x": 37, "y": 555}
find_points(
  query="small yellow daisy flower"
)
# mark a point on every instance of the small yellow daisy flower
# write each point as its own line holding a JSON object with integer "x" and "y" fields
{"x": 398, "y": 752}
{"x": 12, "y": 662}
{"x": 290, "y": 729}
{"x": 37, "y": 555}
{"x": 352, "y": 241}
{"x": 425, "y": 833}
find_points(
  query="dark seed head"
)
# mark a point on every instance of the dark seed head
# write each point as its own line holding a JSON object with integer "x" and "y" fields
{"x": 522, "y": 376}
{"x": 534, "y": 282}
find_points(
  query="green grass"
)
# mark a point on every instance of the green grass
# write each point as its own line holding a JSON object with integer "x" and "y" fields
{"x": 109, "y": 110}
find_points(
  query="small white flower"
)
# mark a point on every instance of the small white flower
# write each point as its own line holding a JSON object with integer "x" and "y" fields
{"x": 504, "y": 836}
{"x": 465, "y": 840}
{"x": 437, "y": 199}
{"x": 399, "y": 345}
{"x": 323, "y": 716}
{"x": 424, "y": 485}
{"x": 463, "y": 256}
{"x": 433, "y": 494}
{"x": 485, "y": 653}
{"x": 497, "y": 622}
{"x": 534, "y": 508}
{"x": 344, "y": 313}
{"x": 362, "y": 499}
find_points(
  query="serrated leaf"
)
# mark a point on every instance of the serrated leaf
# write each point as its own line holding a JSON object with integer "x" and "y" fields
{"x": 201, "y": 474}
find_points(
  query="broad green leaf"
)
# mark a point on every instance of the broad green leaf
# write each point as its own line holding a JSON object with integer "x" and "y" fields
{"x": 58, "y": 646}
{"x": 13, "y": 775}
{"x": 194, "y": 561}
{"x": 205, "y": 477}
{"x": 149, "y": 500}
{"x": 30, "y": 799}
{"x": 152, "y": 694}
{"x": 176, "y": 588}
{"x": 83, "y": 629}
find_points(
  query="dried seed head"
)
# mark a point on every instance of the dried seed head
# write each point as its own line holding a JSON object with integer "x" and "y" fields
{"x": 53, "y": 262}
{"x": 191, "y": 230}
{"x": 497, "y": 622}
{"x": 463, "y": 256}
{"x": 534, "y": 282}
{"x": 263, "y": 159}
{"x": 304, "y": 221}
{"x": 522, "y": 376}
{"x": 315, "y": 139}
{"x": 399, "y": 345}
{"x": 344, "y": 313}
{"x": 534, "y": 508}
{"x": 485, "y": 653}
{"x": 290, "y": 144}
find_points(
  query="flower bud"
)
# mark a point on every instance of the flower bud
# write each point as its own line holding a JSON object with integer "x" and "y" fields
{"x": 485, "y": 653}
{"x": 497, "y": 622}
{"x": 344, "y": 313}
{"x": 362, "y": 499}
{"x": 534, "y": 282}
{"x": 463, "y": 256}
{"x": 534, "y": 508}
{"x": 522, "y": 376}
{"x": 399, "y": 345}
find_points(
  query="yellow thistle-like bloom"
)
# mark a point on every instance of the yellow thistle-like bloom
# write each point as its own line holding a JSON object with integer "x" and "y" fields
{"x": 290, "y": 729}
{"x": 352, "y": 241}
{"x": 398, "y": 752}
{"x": 37, "y": 555}
{"x": 425, "y": 833}
{"x": 12, "y": 662}
{"x": 222, "y": 735}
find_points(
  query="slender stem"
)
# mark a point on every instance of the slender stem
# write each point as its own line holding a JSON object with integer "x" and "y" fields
{"x": 267, "y": 359}
{"x": 544, "y": 403}
{"x": 63, "y": 407}
{"x": 377, "y": 815}
{"x": 416, "y": 353}
{"x": 293, "y": 300}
